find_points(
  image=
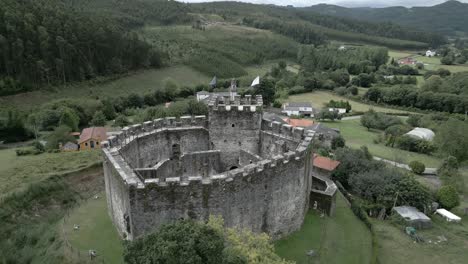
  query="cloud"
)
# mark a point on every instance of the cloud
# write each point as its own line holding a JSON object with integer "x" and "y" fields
{"x": 347, "y": 3}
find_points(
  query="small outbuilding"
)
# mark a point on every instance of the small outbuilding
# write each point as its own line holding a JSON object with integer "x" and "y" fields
{"x": 449, "y": 216}
{"x": 413, "y": 217}
{"x": 69, "y": 146}
{"x": 421, "y": 133}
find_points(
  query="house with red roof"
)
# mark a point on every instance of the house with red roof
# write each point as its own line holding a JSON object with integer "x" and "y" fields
{"x": 324, "y": 166}
{"x": 92, "y": 137}
{"x": 297, "y": 122}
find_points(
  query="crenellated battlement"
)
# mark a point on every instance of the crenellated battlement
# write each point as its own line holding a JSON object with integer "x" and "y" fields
{"x": 284, "y": 130}
{"x": 129, "y": 133}
{"x": 237, "y": 103}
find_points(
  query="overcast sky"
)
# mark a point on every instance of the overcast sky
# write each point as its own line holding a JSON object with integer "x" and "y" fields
{"x": 347, "y": 3}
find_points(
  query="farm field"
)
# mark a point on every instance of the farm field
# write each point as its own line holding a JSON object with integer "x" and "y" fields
{"x": 431, "y": 63}
{"x": 318, "y": 99}
{"x": 140, "y": 82}
{"x": 342, "y": 238}
{"x": 16, "y": 173}
{"x": 356, "y": 136}
{"x": 96, "y": 231}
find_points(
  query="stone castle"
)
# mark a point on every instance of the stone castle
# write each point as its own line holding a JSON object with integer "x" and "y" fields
{"x": 253, "y": 172}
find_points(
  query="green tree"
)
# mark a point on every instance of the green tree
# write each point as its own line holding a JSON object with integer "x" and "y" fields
{"x": 368, "y": 120}
{"x": 99, "y": 119}
{"x": 108, "y": 109}
{"x": 121, "y": 121}
{"x": 181, "y": 242}
{"x": 452, "y": 139}
{"x": 338, "y": 142}
{"x": 266, "y": 88}
{"x": 448, "y": 60}
{"x": 69, "y": 118}
{"x": 246, "y": 246}
{"x": 448, "y": 197}
{"x": 60, "y": 135}
{"x": 393, "y": 132}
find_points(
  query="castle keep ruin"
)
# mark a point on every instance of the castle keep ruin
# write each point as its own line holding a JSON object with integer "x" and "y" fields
{"x": 253, "y": 172}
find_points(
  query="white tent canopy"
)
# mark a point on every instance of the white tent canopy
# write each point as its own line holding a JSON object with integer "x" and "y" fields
{"x": 421, "y": 133}
{"x": 449, "y": 216}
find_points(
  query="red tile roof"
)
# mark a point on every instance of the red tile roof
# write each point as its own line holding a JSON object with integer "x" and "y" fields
{"x": 299, "y": 122}
{"x": 325, "y": 163}
{"x": 98, "y": 133}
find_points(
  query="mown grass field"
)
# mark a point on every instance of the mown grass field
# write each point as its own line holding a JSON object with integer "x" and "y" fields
{"x": 318, "y": 99}
{"x": 342, "y": 238}
{"x": 356, "y": 136}
{"x": 140, "y": 82}
{"x": 398, "y": 54}
{"x": 96, "y": 231}
{"x": 16, "y": 173}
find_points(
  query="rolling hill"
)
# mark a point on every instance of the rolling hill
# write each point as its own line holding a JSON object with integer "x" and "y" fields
{"x": 447, "y": 18}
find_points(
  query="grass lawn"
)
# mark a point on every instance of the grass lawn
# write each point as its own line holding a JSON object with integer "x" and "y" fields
{"x": 140, "y": 82}
{"x": 356, "y": 136}
{"x": 396, "y": 54}
{"x": 342, "y": 238}
{"x": 395, "y": 247}
{"x": 320, "y": 98}
{"x": 17, "y": 173}
{"x": 96, "y": 231}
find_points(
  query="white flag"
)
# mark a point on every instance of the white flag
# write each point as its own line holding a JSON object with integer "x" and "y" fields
{"x": 256, "y": 81}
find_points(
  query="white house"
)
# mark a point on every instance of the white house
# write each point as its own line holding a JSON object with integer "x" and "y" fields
{"x": 421, "y": 133}
{"x": 297, "y": 109}
{"x": 430, "y": 53}
{"x": 202, "y": 95}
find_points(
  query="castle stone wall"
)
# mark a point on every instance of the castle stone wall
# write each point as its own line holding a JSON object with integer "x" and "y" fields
{"x": 146, "y": 151}
{"x": 269, "y": 199}
{"x": 203, "y": 164}
{"x": 118, "y": 199}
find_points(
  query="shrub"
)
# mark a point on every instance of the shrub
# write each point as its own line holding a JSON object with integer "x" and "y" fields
{"x": 338, "y": 142}
{"x": 448, "y": 164}
{"x": 27, "y": 151}
{"x": 448, "y": 197}
{"x": 417, "y": 166}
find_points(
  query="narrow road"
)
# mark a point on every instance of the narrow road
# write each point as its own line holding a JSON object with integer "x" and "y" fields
{"x": 427, "y": 171}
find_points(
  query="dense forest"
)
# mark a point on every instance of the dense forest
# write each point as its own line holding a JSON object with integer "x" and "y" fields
{"x": 47, "y": 42}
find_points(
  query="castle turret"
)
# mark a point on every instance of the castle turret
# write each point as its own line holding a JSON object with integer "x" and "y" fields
{"x": 234, "y": 125}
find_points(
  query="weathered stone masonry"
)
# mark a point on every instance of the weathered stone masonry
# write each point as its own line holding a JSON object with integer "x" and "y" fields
{"x": 253, "y": 172}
